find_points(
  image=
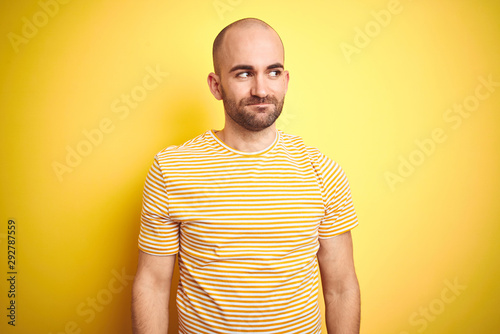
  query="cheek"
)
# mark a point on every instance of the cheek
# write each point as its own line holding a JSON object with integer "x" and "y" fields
{"x": 237, "y": 89}
{"x": 242, "y": 92}
{"x": 280, "y": 87}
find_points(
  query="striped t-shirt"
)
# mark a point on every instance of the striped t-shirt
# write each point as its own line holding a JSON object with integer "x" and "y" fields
{"x": 245, "y": 226}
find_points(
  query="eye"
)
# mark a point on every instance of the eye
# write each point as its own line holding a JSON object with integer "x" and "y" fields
{"x": 275, "y": 73}
{"x": 243, "y": 75}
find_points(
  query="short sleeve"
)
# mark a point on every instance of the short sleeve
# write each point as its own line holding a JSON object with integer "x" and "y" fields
{"x": 158, "y": 234}
{"x": 340, "y": 215}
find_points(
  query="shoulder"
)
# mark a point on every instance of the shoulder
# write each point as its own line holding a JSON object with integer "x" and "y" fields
{"x": 326, "y": 169}
{"x": 315, "y": 156}
{"x": 196, "y": 146}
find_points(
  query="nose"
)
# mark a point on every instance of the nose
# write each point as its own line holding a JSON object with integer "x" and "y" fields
{"x": 259, "y": 86}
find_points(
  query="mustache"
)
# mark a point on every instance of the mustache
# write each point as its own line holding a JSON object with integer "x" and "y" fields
{"x": 257, "y": 100}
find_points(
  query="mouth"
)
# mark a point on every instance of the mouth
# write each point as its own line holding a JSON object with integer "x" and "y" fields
{"x": 260, "y": 104}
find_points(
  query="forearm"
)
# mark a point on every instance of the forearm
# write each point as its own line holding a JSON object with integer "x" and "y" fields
{"x": 149, "y": 310}
{"x": 343, "y": 311}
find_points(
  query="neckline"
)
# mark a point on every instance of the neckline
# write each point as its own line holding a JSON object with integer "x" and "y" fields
{"x": 267, "y": 149}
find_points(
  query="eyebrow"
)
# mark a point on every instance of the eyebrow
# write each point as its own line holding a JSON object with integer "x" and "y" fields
{"x": 250, "y": 67}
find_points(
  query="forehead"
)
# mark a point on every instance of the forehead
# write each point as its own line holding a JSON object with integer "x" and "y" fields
{"x": 256, "y": 46}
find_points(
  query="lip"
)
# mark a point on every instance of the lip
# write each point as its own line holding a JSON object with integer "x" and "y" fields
{"x": 260, "y": 104}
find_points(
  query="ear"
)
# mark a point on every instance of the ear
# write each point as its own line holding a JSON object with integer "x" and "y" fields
{"x": 214, "y": 85}
{"x": 287, "y": 78}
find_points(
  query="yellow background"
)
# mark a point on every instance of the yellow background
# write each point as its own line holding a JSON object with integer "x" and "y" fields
{"x": 436, "y": 226}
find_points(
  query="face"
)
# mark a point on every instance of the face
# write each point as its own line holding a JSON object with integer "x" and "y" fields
{"x": 252, "y": 81}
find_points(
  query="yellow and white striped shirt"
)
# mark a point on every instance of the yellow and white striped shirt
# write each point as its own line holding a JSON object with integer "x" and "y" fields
{"x": 246, "y": 228}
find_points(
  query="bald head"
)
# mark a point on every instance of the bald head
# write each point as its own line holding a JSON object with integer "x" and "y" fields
{"x": 241, "y": 26}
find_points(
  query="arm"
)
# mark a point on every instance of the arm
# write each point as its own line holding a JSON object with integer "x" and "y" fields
{"x": 151, "y": 294}
{"x": 340, "y": 284}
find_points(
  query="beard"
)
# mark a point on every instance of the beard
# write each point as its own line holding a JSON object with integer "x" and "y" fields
{"x": 253, "y": 120}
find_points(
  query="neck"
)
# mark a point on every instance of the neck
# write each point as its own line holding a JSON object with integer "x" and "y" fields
{"x": 247, "y": 141}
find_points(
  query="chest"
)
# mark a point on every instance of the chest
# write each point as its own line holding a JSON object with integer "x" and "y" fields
{"x": 226, "y": 191}
{"x": 229, "y": 210}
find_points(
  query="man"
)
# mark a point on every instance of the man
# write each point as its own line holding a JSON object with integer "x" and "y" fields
{"x": 251, "y": 211}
